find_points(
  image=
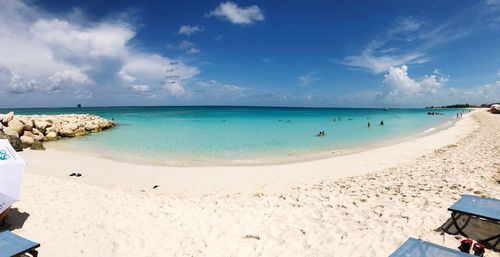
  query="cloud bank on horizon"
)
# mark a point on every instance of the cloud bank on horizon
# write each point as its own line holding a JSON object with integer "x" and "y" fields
{"x": 49, "y": 59}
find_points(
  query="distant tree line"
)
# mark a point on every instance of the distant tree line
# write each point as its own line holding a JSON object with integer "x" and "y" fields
{"x": 462, "y": 106}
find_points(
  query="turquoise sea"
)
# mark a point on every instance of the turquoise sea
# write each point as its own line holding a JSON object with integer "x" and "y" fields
{"x": 243, "y": 135}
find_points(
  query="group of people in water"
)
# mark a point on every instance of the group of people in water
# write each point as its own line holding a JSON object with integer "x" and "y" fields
{"x": 322, "y": 133}
{"x": 381, "y": 123}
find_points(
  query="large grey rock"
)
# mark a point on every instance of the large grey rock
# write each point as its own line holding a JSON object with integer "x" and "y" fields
{"x": 52, "y": 129}
{"x": 28, "y": 123}
{"x": 68, "y": 130}
{"x": 29, "y": 134}
{"x": 17, "y": 125}
{"x": 7, "y": 117}
{"x": 41, "y": 125}
{"x": 10, "y": 132}
{"x": 51, "y": 136}
{"x": 36, "y": 137}
{"x": 37, "y": 132}
{"x": 26, "y": 141}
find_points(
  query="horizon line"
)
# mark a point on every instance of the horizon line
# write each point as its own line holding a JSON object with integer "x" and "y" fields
{"x": 249, "y": 106}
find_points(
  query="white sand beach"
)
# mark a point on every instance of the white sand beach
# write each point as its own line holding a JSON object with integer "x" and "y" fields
{"x": 361, "y": 204}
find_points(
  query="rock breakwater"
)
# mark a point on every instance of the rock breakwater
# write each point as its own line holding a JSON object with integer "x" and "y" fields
{"x": 25, "y": 131}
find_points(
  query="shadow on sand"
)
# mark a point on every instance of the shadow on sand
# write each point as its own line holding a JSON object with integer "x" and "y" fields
{"x": 15, "y": 220}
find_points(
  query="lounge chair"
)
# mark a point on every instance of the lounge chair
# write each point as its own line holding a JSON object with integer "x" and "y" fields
{"x": 5, "y": 204}
{"x": 477, "y": 218}
{"x": 418, "y": 248}
{"x": 13, "y": 245}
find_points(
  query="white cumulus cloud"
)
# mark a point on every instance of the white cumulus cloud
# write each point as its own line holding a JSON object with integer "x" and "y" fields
{"x": 78, "y": 58}
{"x": 15, "y": 83}
{"x": 81, "y": 43}
{"x": 174, "y": 87}
{"x": 68, "y": 77}
{"x": 400, "y": 88}
{"x": 238, "y": 15}
{"x": 189, "y": 30}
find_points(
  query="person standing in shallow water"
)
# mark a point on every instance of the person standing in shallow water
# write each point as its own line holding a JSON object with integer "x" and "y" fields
{"x": 382, "y": 123}
{"x": 369, "y": 125}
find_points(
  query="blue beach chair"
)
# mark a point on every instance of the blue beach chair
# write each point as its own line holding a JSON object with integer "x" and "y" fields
{"x": 417, "y": 248}
{"x": 486, "y": 208}
{"x": 477, "y": 218}
{"x": 13, "y": 245}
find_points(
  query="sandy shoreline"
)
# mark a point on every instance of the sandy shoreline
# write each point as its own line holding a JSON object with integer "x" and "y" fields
{"x": 362, "y": 204}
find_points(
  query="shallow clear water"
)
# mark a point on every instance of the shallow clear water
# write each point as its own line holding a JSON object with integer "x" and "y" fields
{"x": 238, "y": 135}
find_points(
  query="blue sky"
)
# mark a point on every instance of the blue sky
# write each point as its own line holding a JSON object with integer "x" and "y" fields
{"x": 274, "y": 53}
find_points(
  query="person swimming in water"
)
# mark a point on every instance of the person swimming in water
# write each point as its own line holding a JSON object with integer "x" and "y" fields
{"x": 369, "y": 125}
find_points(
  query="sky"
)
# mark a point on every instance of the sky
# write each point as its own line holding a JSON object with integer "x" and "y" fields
{"x": 258, "y": 53}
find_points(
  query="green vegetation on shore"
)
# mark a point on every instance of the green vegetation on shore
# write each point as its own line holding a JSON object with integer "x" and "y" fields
{"x": 461, "y": 106}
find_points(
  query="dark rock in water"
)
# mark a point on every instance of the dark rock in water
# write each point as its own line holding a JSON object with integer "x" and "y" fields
{"x": 16, "y": 143}
{"x": 37, "y": 145}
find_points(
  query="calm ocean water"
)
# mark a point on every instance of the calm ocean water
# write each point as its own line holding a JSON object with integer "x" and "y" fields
{"x": 241, "y": 135}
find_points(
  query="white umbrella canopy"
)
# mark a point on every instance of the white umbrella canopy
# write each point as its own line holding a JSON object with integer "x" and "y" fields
{"x": 11, "y": 173}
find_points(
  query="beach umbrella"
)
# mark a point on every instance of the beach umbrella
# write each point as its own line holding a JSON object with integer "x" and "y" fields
{"x": 11, "y": 173}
